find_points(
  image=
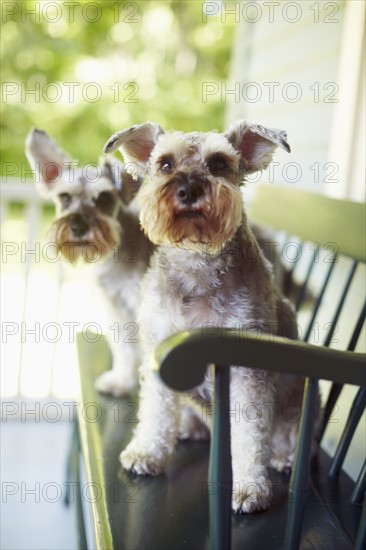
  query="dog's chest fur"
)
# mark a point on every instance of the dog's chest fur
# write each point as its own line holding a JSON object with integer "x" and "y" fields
{"x": 120, "y": 275}
{"x": 230, "y": 289}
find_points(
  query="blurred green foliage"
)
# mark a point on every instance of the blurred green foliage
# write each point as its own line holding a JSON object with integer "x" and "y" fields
{"x": 147, "y": 60}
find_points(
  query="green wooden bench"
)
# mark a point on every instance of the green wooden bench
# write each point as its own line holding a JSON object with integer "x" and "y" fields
{"x": 188, "y": 507}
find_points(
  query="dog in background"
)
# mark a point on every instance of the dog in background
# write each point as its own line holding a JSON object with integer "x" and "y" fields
{"x": 208, "y": 268}
{"x": 97, "y": 221}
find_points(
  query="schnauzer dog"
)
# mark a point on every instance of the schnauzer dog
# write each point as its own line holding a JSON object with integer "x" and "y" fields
{"x": 208, "y": 268}
{"x": 97, "y": 219}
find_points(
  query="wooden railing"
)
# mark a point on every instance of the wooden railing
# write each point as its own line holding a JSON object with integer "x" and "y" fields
{"x": 35, "y": 340}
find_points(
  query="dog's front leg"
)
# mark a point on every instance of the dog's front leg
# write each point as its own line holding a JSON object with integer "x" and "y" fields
{"x": 156, "y": 434}
{"x": 250, "y": 391}
{"x": 121, "y": 380}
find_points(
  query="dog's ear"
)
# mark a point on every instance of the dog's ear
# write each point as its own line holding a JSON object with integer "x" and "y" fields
{"x": 135, "y": 143}
{"x": 108, "y": 170}
{"x": 46, "y": 160}
{"x": 255, "y": 144}
{"x": 129, "y": 187}
{"x": 125, "y": 183}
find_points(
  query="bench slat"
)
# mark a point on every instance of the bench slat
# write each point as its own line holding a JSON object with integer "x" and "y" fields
{"x": 320, "y": 299}
{"x": 358, "y": 406}
{"x": 313, "y": 217}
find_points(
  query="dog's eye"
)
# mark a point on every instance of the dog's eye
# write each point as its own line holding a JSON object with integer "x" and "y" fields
{"x": 104, "y": 201}
{"x": 217, "y": 164}
{"x": 166, "y": 166}
{"x": 65, "y": 199}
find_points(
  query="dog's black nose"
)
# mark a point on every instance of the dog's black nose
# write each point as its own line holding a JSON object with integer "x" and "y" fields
{"x": 189, "y": 192}
{"x": 78, "y": 226}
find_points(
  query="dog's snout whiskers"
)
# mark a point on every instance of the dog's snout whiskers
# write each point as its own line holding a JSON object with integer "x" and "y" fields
{"x": 189, "y": 188}
{"x": 78, "y": 226}
{"x": 189, "y": 194}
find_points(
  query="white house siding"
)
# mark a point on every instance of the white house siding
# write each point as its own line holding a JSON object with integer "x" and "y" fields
{"x": 304, "y": 52}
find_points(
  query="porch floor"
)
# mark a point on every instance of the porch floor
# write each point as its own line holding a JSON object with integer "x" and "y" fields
{"x": 33, "y": 457}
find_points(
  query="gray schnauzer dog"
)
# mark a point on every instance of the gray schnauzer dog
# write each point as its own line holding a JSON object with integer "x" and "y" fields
{"x": 208, "y": 268}
{"x": 97, "y": 223}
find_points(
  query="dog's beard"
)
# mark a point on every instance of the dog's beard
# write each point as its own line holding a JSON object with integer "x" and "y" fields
{"x": 202, "y": 227}
{"x": 98, "y": 243}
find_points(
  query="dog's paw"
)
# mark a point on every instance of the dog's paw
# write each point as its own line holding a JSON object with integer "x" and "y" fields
{"x": 142, "y": 462}
{"x": 251, "y": 495}
{"x": 282, "y": 463}
{"x": 114, "y": 383}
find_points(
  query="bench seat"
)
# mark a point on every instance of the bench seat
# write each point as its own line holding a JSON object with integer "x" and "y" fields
{"x": 171, "y": 511}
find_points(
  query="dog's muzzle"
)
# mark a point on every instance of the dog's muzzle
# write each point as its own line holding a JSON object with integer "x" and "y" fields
{"x": 189, "y": 187}
{"x": 78, "y": 225}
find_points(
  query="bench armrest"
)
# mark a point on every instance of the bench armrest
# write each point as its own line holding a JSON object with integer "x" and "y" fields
{"x": 182, "y": 359}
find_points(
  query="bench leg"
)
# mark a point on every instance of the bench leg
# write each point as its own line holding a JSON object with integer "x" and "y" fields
{"x": 300, "y": 477}
{"x": 73, "y": 482}
{"x": 220, "y": 471}
{"x": 361, "y": 534}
